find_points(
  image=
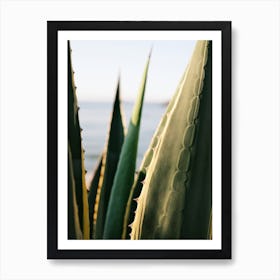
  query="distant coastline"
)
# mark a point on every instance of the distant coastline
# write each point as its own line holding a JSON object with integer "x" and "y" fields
{"x": 95, "y": 118}
{"x": 155, "y": 102}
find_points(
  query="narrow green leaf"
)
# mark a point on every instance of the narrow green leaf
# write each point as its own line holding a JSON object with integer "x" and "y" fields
{"x": 112, "y": 154}
{"x": 98, "y": 192}
{"x": 124, "y": 177}
{"x": 92, "y": 195}
{"x": 74, "y": 138}
{"x": 171, "y": 178}
{"x": 74, "y": 229}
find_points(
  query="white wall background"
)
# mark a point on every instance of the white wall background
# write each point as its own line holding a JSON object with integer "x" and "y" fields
{"x": 255, "y": 130}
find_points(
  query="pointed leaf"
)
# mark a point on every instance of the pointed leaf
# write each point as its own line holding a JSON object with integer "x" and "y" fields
{"x": 74, "y": 138}
{"x": 112, "y": 154}
{"x": 92, "y": 194}
{"x": 138, "y": 183}
{"x": 74, "y": 229}
{"x": 125, "y": 171}
{"x": 198, "y": 201}
{"x": 165, "y": 195}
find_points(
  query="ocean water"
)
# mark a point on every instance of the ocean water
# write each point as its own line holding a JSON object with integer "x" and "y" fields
{"x": 95, "y": 120}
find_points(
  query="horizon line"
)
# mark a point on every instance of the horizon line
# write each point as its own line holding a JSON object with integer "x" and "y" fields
{"x": 123, "y": 100}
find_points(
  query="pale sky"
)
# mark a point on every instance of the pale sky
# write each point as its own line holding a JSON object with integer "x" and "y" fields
{"x": 97, "y": 65}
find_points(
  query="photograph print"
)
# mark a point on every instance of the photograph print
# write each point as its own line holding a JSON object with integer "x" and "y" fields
{"x": 145, "y": 110}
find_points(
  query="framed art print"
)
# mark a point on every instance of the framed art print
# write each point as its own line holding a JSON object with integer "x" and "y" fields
{"x": 139, "y": 140}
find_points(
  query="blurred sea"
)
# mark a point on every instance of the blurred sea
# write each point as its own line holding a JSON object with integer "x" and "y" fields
{"x": 95, "y": 120}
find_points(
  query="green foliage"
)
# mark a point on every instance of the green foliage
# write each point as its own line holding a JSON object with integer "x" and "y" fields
{"x": 74, "y": 229}
{"x": 125, "y": 171}
{"x": 198, "y": 199}
{"x": 93, "y": 186}
{"x": 74, "y": 138}
{"x": 170, "y": 197}
{"x": 138, "y": 183}
{"x": 175, "y": 200}
{"x": 111, "y": 156}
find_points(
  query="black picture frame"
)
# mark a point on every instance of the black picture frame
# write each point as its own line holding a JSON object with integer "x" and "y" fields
{"x": 53, "y": 27}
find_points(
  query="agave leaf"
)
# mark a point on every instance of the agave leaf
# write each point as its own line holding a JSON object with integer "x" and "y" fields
{"x": 124, "y": 177}
{"x": 92, "y": 194}
{"x": 110, "y": 162}
{"x": 141, "y": 175}
{"x": 74, "y": 137}
{"x": 168, "y": 186}
{"x": 98, "y": 191}
{"x": 74, "y": 230}
{"x": 198, "y": 201}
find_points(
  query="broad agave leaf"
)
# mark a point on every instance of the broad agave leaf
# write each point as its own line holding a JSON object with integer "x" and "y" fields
{"x": 74, "y": 229}
{"x": 110, "y": 162}
{"x": 175, "y": 200}
{"x": 138, "y": 183}
{"x": 124, "y": 177}
{"x": 74, "y": 137}
{"x": 198, "y": 200}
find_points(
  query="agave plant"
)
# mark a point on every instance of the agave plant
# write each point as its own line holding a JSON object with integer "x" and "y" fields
{"x": 171, "y": 195}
